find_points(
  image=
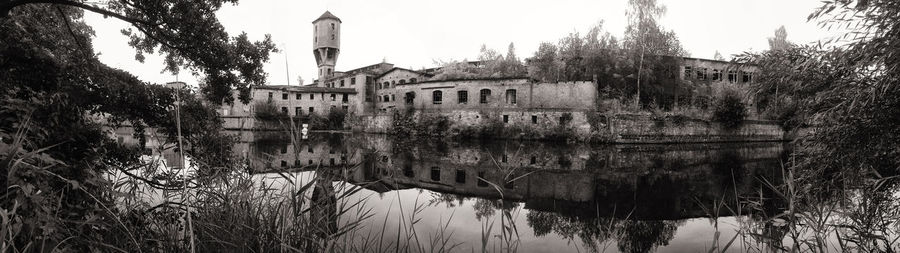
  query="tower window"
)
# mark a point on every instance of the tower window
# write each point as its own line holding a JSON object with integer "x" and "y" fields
{"x": 332, "y": 36}
{"x": 332, "y": 26}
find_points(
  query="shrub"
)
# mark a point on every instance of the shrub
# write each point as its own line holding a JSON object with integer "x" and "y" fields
{"x": 729, "y": 110}
{"x": 336, "y": 119}
{"x": 266, "y": 111}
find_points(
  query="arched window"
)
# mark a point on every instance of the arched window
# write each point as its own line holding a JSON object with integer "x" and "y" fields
{"x": 438, "y": 97}
{"x": 386, "y": 85}
{"x": 412, "y": 80}
{"x": 485, "y": 96}
{"x": 402, "y": 81}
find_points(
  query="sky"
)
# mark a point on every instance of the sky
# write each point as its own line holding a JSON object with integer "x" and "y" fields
{"x": 417, "y": 33}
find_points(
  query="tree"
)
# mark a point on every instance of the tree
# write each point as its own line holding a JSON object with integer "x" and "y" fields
{"x": 544, "y": 65}
{"x": 718, "y": 56}
{"x": 779, "y": 42}
{"x": 57, "y": 99}
{"x": 187, "y": 34}
{"x": 511, "y": 66}
{"x": 644, "y": 36}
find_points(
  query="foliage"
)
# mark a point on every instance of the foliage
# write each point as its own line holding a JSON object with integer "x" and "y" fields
{"x": 266, "y": 110}
{"x": 729, "y": 110}
{"x": 187, "y": 33}
{"x": 490, "y": 64}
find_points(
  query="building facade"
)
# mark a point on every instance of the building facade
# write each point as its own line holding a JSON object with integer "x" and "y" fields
{"x": 382, "y": 87}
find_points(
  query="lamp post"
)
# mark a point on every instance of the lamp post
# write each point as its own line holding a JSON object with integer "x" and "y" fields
{"x": 178, "y": 87}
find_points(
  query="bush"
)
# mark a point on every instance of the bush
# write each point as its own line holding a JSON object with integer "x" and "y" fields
{"x": 785, "y": 112}
{"x": 729, "y": 110}
{"x": 266, "y": 111}
{"x": 336, "y": 119}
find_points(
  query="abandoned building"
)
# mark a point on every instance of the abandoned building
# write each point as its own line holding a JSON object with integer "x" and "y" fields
{"x": 382, "y": 87}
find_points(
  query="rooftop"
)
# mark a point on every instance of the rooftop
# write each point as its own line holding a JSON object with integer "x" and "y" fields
{"x": 327, "y": 15}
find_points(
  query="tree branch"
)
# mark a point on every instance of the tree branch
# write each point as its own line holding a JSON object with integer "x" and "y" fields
{"x": 5, "y": 8}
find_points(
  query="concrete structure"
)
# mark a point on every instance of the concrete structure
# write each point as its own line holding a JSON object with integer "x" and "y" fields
{"x": 326, "y": 43}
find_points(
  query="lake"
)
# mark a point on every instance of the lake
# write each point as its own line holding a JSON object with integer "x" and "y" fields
{"x": 505, "y": 195}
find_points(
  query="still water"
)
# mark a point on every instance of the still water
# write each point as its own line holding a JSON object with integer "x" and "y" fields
{"x": 534, "y": 196}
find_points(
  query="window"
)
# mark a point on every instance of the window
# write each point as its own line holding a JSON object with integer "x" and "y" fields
{"x": 386, "y": 98}
{"x": 437, "y": 97}
{"x": 299, "y": 96}
{"x": 687, "y": 72}
{"x": 386, "y": 85}
{"x": 393, "y": 98}
{"x": 342, "y": 83}
{"x": 505, "y": 118}
{"x": 485, "y": 95}
{"x": 409, "y": 97}
{"x": 353, "y": 81}
{"x": 504, "y": 158}
{"x": 511, "y": 96}
{"x": 283, "y": 164}
{"x": 701, "y": 73}
{"x": 412, "y": 80}
{"x": 270, "y": 97}
{"x": 533, "y": 119}
{"x": 462, "y": 97}
{"x": 284, "y": 110}
{"x": 332, "y": 26}
{"x": 533, "y": 160}
{"x": 332, "y": 36}
{"x": 716, "y": 75}
{"x": 309, "y": 149}
{"x": 333, "y": 97}
{"x": 402, "y": 81}
{"x": 284, "y": 96}
{"x": 435, "y": 174}
{"x": 746, "y": 77}
{"x": 345, "y": 99}
{"x": 393, "y": 83}
{"x": 284, "y": 149}
{"x": 298, "y": 111}
{"x": 310, "y": 162}
{"x": 310, "y": 110}
{"x": 345, "y": 108}
{"x": 732, "y": 76}
{"x": 311, "y": 96}
{"x": 482, "y": 182}
{"x": 461, "y": 176}
{"x": 297, "y": 163}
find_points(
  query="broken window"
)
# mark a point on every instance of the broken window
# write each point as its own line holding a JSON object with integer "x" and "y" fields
{"x": 461, "y": 176}
{"x": 716, "y": 75}
{"x": 410, "y": 97}
{"x": 687, "y": 72}
{"x": 511, "y": 96}
{"x": 732, "y": 76}
{"x": 435, "y": 174}
{"x": 485, "y": 95}
{"x": 437, "y": 97}
{"x": 462, "y": 97}
{"x": 342, "y": 83}
{"x": 746, "y": 77}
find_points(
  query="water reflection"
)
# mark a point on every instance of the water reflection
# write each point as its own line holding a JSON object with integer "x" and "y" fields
{"x": 635, "y": 197}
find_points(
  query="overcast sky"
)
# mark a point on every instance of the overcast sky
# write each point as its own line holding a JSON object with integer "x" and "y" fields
{"x": 414, "y": 33}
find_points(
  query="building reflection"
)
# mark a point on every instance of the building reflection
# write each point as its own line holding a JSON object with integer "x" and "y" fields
{"x": 638, "y": 194}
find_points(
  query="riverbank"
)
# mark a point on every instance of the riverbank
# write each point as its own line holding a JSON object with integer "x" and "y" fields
{"x": 545, "y": 124}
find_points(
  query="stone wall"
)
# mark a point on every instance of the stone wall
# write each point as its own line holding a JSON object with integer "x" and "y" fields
{"x": 585, "y": 126}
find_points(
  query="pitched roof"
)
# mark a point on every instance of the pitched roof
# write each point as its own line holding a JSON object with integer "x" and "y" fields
{"x": 327, "y": 15}
{"x": 306, "y": 88}
{"x": 399, "y": 68}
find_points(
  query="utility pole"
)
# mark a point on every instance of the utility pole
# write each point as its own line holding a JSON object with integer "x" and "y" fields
{"x": 287, "y": 71}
